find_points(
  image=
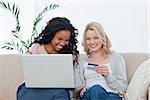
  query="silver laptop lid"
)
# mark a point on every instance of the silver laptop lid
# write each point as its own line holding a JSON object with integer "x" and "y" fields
{"x": 48, "y": 71}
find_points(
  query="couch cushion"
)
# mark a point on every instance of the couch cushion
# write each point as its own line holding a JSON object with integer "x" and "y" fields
{"x": 11, "y": 76}
{"x": 138, "y": 87}
{"x": 133, "y": 60}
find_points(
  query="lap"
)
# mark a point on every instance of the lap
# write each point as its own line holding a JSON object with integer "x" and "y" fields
{"x": 97, "y": 92}
{"x": 24, "y": 93}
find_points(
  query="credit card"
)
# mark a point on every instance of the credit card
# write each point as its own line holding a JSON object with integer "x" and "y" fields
{"x": 92, "y": 66}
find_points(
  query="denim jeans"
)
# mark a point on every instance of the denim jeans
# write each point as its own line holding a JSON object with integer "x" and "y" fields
{"x": 24, "y": 93}
{"x": 97, "y": 92}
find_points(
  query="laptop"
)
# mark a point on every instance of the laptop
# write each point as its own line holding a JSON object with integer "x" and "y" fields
{"x": 48, "y": 71}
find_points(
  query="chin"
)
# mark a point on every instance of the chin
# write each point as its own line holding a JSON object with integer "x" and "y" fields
{"x": 58, "y": 50}
{"x": 94, "y": 50}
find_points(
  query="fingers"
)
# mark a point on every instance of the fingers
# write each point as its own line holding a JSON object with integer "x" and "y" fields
{"x": 102, "y": 70}
{"x": 105, "y": 73}
{"x": 83, "y": 91}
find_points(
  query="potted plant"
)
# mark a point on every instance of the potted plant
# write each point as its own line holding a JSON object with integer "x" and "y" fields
{"x": 17, "y": 43}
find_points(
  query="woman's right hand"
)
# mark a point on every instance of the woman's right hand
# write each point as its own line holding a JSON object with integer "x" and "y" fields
{"x": 84, "y": 89}
{"x": 102, "y": 70}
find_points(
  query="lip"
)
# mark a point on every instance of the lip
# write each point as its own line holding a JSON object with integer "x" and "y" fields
{"x": 92, "y": 46}
{"x": 59, "y": 47}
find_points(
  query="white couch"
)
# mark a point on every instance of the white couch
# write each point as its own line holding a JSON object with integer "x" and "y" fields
{"x": 11, "y": 74}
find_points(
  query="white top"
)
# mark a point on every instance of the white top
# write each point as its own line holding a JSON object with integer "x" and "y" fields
{"x": 94, "y": 78}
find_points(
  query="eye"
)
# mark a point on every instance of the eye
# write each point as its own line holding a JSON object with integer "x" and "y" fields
{"x": 59, "y": 38}
{"x": 96, "y": 38}
{"x": 67, "y": 40}
{"x": 87, "y": 38}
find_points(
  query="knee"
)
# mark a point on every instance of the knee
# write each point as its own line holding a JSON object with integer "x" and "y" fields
{"x": 21, "y": 91}
{"x": 62, "y": 92}
{"x": 98, "y": 90}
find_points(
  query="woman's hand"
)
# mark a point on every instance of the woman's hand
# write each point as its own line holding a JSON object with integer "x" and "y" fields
{"x": 102, "y": 70}
{"x": 84, "y": 89}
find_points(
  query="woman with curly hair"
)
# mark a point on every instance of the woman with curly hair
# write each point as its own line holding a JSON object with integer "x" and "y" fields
{"x": 58, "y": 37}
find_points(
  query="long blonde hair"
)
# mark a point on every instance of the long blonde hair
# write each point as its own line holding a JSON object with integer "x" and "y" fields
{"x": 106, "y": 44}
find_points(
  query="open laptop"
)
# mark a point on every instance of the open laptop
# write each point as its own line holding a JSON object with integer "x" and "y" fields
{"x": 48, "y": 71}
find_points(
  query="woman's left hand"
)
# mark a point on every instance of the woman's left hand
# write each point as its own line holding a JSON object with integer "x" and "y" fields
{"x": 102, "y": 70}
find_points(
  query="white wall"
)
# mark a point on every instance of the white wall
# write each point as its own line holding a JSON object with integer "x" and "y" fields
{"x": 126, "y": 21}
{"x": 149, "y": 26}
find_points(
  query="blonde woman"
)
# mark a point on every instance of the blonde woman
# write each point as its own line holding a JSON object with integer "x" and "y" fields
{"x": 104, "y": 71}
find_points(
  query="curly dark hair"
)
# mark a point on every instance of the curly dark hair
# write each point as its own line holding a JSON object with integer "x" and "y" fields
{"x": 55, "y": 25}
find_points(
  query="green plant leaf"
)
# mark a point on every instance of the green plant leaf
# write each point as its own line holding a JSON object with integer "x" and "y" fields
{"x": 1, "y": 4}
{"x": 17, "y": 43}
{"x": 21, "y": 50}
{"x": 13, "y": 9}
{"x": 8, "y": 43}
{"x": 4, "y": 5}
{"x": 16, "y": 36}
{"x": 8, "y": 6}
{"x": 7, "y": 47}
{"x": 16, "y": 10}
{"x": 45, "y": 9}
{"x": 17, "y": 14}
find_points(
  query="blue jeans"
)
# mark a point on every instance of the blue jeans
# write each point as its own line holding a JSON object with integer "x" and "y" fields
{"x": 97, "y": 92}
{"x": 24, "y": 93}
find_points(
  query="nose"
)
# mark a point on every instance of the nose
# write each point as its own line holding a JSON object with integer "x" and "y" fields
{"x": 92, "y": 41}
{"x": 63, "y": 43}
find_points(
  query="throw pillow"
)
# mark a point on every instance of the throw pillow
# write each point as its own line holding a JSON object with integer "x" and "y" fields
{"x": 138, "y": 87}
